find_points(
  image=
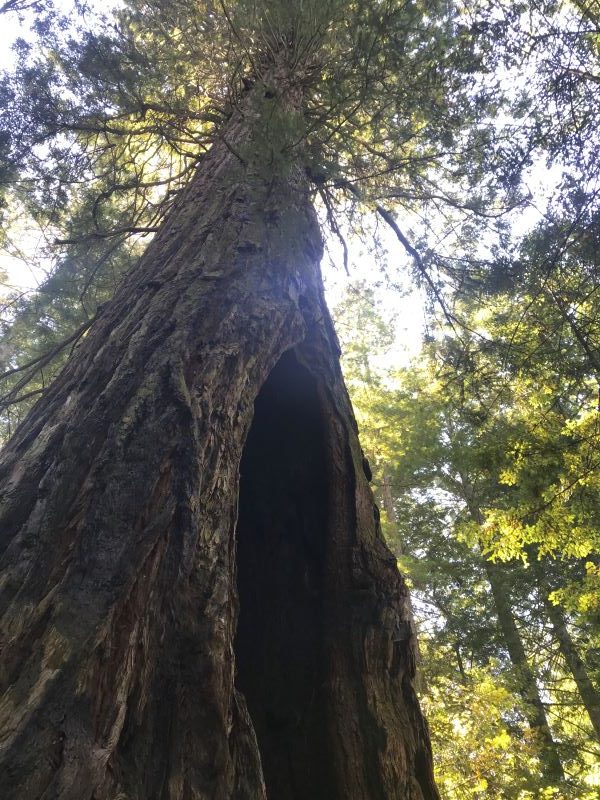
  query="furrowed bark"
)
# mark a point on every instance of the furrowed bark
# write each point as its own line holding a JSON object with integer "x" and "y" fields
{"x": 118, "y": 514}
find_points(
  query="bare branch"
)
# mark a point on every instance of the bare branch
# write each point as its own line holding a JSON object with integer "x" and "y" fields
{"x": 37, "y": 364}
{"x": 105, "y": 235}
{"x": 334, "y": 226}
{"x": 389, "y": 219}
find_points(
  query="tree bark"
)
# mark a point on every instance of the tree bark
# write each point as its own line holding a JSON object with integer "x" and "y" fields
{"x": 119, "y": 506}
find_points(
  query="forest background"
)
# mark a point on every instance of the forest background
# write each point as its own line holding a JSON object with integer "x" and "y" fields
{"x": 485, "y": 445}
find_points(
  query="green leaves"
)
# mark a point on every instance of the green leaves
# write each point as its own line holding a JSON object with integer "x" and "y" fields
{"x": 488, "y": 453}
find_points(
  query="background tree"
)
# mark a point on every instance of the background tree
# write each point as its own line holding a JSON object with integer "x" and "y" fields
{"x": 445, "y": 431}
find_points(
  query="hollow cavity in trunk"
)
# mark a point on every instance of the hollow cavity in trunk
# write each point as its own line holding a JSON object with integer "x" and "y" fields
{"x": 281, "y": 550}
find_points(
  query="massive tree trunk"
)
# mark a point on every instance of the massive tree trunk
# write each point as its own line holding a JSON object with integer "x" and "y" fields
{"x": 122, "y": 576}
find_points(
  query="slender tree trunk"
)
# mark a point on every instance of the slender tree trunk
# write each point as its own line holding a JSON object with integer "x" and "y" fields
{"x": 536, "y": 713}
{"x": 534, "y": 707}
{"x": 585, "y": 687}
{"x": 388, "y": 505}
{"x": 398, "y": 549}
{"x": 120, "y": 673}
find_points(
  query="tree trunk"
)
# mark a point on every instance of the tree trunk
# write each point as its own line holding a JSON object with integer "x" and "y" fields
{"x": 388, "y": 505}
{"x": 120, "y": 673}
{"x": 534, "y": 707}
{"x": 585, "y": 687}
{"x": 527, "y": 684}
{"x": 397, "y": 545}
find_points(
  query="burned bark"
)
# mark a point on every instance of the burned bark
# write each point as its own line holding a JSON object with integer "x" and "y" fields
{"x": 118, "y": 518}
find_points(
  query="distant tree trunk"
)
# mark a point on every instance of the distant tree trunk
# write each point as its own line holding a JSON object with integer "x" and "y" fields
{"x": 534, "y": 708}
{"x": 589, "y": 696}
{"x": 398, "y": 549}
{"x": 388, "y": 505}
{"x": 120, "y": 672}
{"x": 527, "y": 684}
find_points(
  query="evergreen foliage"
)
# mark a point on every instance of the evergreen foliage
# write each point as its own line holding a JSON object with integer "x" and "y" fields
{"x": 105, "y": 118}
{"x": 477, "y": 464}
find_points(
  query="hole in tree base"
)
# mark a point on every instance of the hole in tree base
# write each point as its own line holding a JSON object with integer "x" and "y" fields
{"x": 281, "y": 549}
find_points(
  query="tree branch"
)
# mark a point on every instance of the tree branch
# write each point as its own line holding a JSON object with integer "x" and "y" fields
{"x": 389, "y": 219}
{"x": 105, "y": 235}
{"x": 36, "y": 364}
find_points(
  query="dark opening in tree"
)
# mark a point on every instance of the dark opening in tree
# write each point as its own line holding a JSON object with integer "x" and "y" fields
{"x": 281, "y": 554}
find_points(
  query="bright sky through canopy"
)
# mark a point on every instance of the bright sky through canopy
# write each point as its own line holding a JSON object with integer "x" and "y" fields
{"x": 25, "y": 268}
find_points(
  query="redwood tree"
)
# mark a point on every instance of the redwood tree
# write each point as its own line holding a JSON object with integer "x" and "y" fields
{"x": 196, "y": 600}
